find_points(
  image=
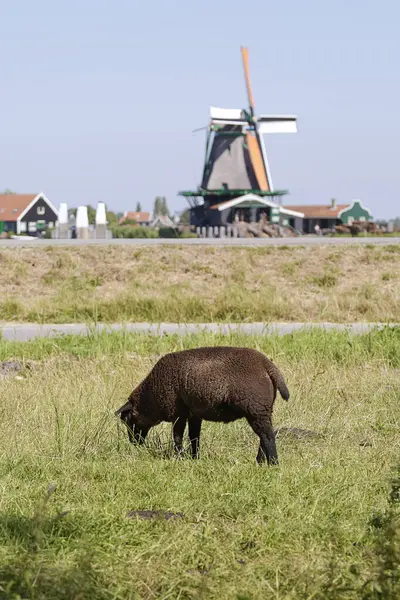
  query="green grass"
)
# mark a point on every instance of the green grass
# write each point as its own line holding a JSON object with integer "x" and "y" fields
{"x": 216, "y": 284}
{"x": 322, "y": 525}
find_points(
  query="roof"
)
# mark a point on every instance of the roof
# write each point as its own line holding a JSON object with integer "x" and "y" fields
{"x": 292, "y": 213}
{"x": 13, "y": 205}
{"x": 352, "y": 205}
{"x": 247, "y": 200}
{"x": 162, "y": 220}
{"x": 318, "y": 211}
{"x": 139, "y": 217}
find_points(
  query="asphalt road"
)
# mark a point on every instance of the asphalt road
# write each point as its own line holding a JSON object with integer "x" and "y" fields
{"x": 25, "y": 332}
{"x": 295, "y": 241}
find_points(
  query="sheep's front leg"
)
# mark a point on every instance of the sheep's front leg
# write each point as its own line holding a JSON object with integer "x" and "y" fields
{"x": 178, "y": 431}
{"x": 194, "y": 435}
{"x": 267, "y": 450}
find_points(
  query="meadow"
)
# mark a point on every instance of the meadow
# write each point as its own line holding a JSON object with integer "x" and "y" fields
{"x": 183, "y": 284}
{"x": 324, "y": 524}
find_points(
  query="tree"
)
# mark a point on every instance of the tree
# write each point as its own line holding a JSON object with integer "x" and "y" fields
{"x": 8, "y": 191}
{"x": 160, "y": 207}
{"x": 112, "y": 218}
{"x": 185, "y": 217}
{"x": 91, "y": 212}
{"x": 138, "y": 207}
{"x": 164, "y": 207}
{"x": 157, "y": 206}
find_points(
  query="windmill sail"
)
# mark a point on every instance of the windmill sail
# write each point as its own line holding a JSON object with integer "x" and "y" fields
{"x": 256, "y": 158}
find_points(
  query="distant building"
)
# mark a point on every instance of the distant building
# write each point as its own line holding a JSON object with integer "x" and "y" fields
{"x": 236, "y": 180}
{"x": 162, "y": 221}
{"x": 26, "y": 213}
{"x": 327, "y": 216}
{"x": 141, "y": 218}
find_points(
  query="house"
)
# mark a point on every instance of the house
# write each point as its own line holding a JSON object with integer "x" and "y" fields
{"x": 249, "y": 208}
{"x": 26, "y": 213}
{"x": 327, "y": 216}
{"x": 162, "y": 221}
{"x": 141, "y": 218}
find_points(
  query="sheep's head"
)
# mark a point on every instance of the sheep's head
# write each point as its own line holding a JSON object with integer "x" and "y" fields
{"x": 128, "y": 415}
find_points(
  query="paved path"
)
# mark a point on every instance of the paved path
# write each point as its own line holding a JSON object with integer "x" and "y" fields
{"x": 297, "y": 241}
{"x": 24, "y": 332}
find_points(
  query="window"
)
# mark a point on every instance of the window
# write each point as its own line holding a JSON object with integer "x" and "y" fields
{"x": 41, "y": 210}
{"x": 31, "y": 226}
{"x": 22, "y": 226}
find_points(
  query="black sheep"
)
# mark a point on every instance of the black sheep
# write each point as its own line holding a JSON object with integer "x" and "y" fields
{"x": 220, "y": 384}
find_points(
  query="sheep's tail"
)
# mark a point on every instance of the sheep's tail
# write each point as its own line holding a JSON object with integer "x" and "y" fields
{"x": 278, "y": 380}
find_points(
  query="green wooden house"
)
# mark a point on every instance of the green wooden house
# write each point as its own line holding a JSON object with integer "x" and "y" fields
{"x": 356, "y": 211}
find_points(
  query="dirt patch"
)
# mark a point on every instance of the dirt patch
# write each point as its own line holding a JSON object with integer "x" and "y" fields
{"x": 154, "y": 514}
{"x": 10, "y": 367}
{"x": 14, "y": 367}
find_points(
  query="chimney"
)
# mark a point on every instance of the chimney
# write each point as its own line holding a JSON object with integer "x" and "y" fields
{"x": 333, "y": 203}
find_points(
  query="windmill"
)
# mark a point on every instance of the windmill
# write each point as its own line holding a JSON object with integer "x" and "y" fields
{"x": 236, "y": 163}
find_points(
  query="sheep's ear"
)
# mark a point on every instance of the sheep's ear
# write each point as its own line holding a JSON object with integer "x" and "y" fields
{"x": 127, "y": 407}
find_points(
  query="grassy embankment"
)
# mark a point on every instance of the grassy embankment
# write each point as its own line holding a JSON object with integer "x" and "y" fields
{"x": 299, "y": 531}
{"x": 190, "y": 284}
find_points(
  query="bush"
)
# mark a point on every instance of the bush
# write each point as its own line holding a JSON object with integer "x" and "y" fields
{"x": 171, "y": 232}
{"x": 188, "y": 234}
{"x": 124, "y": 231}
{"x": 168, "y": 232}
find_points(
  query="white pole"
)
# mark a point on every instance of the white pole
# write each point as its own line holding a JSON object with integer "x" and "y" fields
{"x": 101, "y": 221}
{"x": 63, "y": 221}
{"x": 82, "y": 223}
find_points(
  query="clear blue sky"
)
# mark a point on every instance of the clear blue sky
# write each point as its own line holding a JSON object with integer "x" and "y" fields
{"x": 98, "y": 98}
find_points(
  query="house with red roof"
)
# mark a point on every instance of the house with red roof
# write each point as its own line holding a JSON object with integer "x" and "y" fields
{"x": 140, "y": 217}
{"x": 27, "y": 214}
{"x": 327, "y": 216}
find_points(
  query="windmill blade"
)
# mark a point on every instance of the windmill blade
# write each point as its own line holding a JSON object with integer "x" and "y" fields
{"x": 277, "y": 124}
{"x": 257, "y": 161}
{"x": 227, "y": 114}
{"x": 245, "y": 58}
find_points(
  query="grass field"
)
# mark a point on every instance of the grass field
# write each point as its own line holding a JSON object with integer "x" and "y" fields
{"x": 190, "y": 284}
{"x": 325, "y": 524}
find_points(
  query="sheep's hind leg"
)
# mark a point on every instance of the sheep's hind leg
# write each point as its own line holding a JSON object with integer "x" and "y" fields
{"x": 178, "y": 431}
{"x": 267, "y": 449}
{"x": 194, "y": 435}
